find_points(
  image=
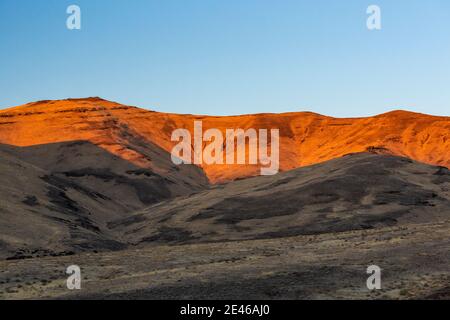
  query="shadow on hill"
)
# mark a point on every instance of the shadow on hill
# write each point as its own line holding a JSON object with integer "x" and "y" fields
{"x": 93, "y": 167}
{"x": 60, "y": 197}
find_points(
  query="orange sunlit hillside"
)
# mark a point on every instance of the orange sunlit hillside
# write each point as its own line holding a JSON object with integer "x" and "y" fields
{"x": 305, "y": 138}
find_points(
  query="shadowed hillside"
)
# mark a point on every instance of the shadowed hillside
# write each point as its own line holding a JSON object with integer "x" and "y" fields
{"x": 58, "y": 198}
{"x": 360, "y": 191}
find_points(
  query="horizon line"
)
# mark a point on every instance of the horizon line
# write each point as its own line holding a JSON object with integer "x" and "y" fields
{"x": 97, "y": 98}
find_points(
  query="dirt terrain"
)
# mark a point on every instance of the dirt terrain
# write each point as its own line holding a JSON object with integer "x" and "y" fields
{"x": 414, "y": 261}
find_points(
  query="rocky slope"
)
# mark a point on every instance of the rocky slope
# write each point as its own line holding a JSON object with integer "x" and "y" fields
{"x": 355, "y": 192}
{"x": 58, "y": 198}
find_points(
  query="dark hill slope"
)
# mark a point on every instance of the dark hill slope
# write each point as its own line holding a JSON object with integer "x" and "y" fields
{"x": 58, "y": 198}
{"x": 358, "y": 191}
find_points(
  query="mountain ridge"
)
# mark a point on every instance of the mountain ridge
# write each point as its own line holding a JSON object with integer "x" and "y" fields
{"x": 100, "y": 99}
{"x": 305, "y": 137}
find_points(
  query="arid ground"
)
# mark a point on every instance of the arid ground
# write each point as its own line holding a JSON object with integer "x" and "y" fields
{"x": 414, "y": 261}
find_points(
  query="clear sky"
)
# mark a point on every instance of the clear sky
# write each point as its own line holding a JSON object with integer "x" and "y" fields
{"x": 230, "y": 56}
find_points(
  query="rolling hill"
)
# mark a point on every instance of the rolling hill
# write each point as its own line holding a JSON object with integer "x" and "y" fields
{"x": 355, "y": 192}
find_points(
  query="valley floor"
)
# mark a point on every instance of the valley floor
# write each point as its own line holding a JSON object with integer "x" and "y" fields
{"x": 414, "y": 260}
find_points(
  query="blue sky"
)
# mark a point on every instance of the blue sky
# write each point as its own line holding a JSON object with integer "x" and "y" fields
{"x": 230, "y": 56}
